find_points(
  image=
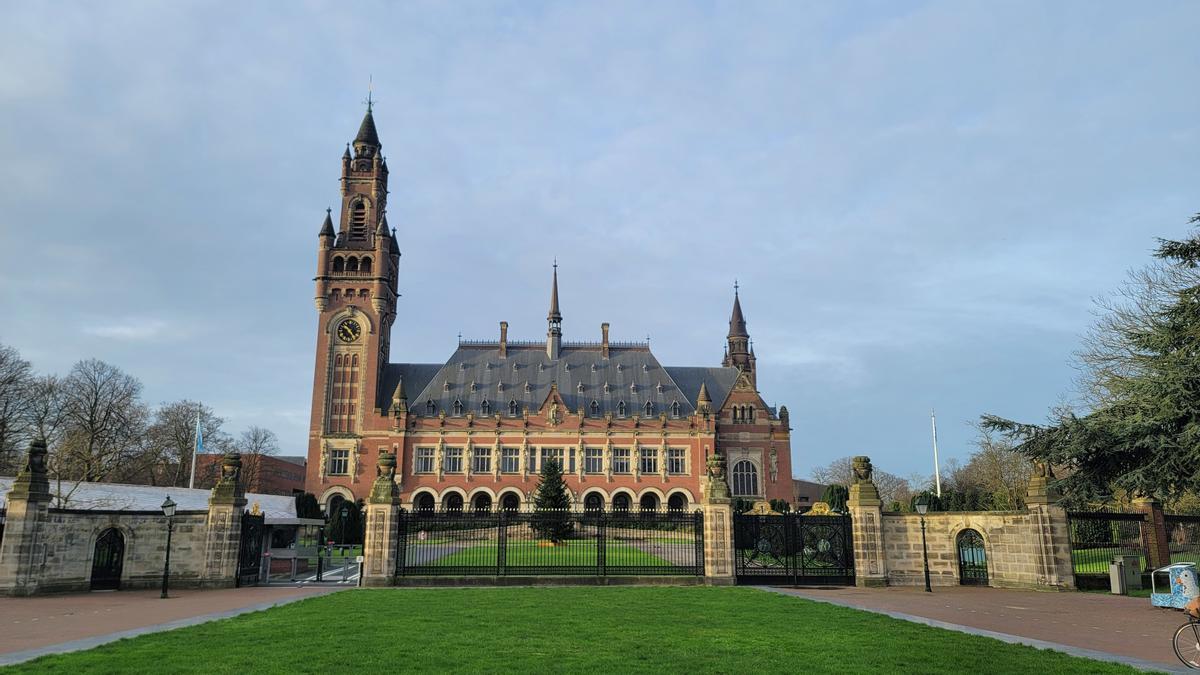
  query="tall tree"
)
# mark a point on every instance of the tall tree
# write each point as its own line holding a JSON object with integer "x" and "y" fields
{"x": 173, "y": 438}
{"x": 254, "y": 444}
{"x": 15, "y": 377}
{"x": 552, "y": 520}
{"x": 104, "y": 425}
{"x": 1140, "y": 431}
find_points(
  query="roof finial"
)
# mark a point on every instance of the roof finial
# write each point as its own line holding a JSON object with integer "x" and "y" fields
{"x": 370, "y": 91}
{"x": 735, "y": 286}
{"x": 554, "y": 316}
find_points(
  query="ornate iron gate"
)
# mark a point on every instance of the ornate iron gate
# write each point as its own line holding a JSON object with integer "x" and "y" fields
{"x": 545, "y": 543}
{"x": 250, "y": 550}
{"x": 972, "y": 559}
{"x": 793, "y": 549}
{"x": 108, "y": 560}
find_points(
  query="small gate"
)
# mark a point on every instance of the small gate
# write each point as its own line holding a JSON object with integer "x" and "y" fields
{"x": 972, "y": 559}
{"x": 250, "y": 550}
{"x": 108, "y": 560}
{"x": 794, "y": 550}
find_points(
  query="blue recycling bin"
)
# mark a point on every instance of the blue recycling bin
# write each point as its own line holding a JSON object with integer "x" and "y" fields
{"x": 1174, "y": 585}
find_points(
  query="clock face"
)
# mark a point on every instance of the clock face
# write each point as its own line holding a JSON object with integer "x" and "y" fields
{"x": 349, "y": 330}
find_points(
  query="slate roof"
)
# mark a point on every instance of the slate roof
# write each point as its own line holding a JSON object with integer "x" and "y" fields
{"x": 475, "y": 373}
{"x": 121, "y": 497}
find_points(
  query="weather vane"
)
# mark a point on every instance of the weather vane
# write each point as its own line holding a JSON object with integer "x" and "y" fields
{"x": 370, "y": 92}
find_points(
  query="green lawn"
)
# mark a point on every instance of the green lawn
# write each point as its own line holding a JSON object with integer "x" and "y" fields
{"x": 570, "y": 629}
{"x": 573, "y": 552}
{"x": 1097, "y": 564}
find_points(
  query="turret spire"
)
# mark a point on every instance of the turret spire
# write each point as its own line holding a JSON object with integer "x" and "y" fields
{"x": 737, "y": 322}
{"x": 327, "y": 226}
{"x": 554, "y": 319}
{"x": 554, "y": 315}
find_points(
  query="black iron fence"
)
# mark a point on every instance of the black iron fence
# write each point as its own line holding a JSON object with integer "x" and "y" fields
{"x": 590, "y": 543}
{"x": 1183, "y": 538}
{"x": 793, "y": 549}
{"x": 1098, "y": 536}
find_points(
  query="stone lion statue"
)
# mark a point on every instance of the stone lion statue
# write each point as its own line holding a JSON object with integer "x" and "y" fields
{"x": 862, "y": 469}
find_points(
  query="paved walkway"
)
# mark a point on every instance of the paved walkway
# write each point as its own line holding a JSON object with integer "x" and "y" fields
{"x": 1095, "y": 625}
{"x": 31, "y": 627}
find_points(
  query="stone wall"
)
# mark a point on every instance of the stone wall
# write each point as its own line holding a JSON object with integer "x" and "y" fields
{"x": 68, "y": 544}
{"x": 47, "y": 550}
{"x": 1020, "y": 547}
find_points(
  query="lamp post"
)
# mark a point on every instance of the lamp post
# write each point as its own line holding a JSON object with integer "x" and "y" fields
{"x": 168, "y": 509}
{"x": 923, "y": 508}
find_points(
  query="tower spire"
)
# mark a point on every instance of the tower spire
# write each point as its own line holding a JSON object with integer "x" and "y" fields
{"x": 738, "y": 352}
{"x": 554, "y": 319}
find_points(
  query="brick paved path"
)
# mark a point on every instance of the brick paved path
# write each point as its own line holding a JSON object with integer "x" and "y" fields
{"x": 1123, "y": 626}
{"x": 29, "y": 626}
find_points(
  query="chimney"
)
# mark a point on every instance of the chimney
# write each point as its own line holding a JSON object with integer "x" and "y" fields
{"x": 604, "y": 339}
{"x": 503, "y": 339}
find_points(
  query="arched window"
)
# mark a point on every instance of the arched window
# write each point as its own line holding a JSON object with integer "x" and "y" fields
{"x": 620, "y": 408}
{"x": 745, "y": 479}
{"x": 512, "y": 408}
{"x": 457, "y": 408}
{"x": 485, "y": 408}
{"x": 593, "y": 502}
{"x": 452, "y": 502}
{"x": 649, "y": 503}
{"x": 351, "y": 264}
{"x": 339, "y": 265}
{"x": 595, "y": 409}
{"x": 649, "y": 408}
{"x": 423, "y": 502}
{"x": 482, "y": 502}
{"x": 676, "y": 502}
{"x": 365, "y": 266}
{"x": 358, "y": 217}
{"x": 510, "y": 502}
{"x": 430, "y": 407}
{"x": 620, "y": 502}
{"x": 675, "y": 409}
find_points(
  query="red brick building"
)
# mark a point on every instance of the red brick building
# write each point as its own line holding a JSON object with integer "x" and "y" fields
{"x": 473, "y": 432}
{"x": 264, "y": 474}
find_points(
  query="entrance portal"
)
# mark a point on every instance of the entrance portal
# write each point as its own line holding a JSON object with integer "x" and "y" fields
{"x": 108, "y": 560}
{"x": 972, "y": 559}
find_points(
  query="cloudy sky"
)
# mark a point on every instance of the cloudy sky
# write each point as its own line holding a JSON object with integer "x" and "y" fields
{"x": 919, "y": 200}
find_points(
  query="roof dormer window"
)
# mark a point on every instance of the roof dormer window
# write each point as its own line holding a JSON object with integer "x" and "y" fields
{"x": 457, "y": 408}
{"x": 620, "y": 408}
{"x": 675, "y": 409}
{"x": 649, "y": 408}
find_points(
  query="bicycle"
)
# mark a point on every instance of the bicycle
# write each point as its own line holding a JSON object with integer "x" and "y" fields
{"x": 1187, "y": 643}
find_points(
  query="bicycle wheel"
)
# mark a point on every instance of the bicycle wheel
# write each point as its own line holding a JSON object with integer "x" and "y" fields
{"x": 1187, "y": 644}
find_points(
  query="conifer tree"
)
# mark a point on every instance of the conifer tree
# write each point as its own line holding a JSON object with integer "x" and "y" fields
{"x": 552, "y": 504}
{"x": 1141, "y": 366}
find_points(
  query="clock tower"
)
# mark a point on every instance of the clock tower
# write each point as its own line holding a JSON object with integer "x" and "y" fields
{"x": 356, "y": 295}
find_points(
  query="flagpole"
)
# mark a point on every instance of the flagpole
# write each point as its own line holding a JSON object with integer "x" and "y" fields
{"x": 937, "y": 474}
{"x": 195, "y": 450}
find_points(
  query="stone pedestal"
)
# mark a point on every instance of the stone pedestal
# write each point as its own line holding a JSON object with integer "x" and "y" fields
{"x": 718, "y": 543}
{"x": 383, "y": 518}
{"x": 717, "y": 507}
{"x": 23, "y": 550}
{"x": 866, "y": 514}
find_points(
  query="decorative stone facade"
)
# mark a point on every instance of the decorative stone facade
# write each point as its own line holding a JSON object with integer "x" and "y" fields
{"x": 470, "y": 432}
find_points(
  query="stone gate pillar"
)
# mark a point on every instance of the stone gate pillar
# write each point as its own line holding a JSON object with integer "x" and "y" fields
{"x": 1053, "y": 543}
{"x": 22, "y": 550}
{"x": 1154, "y": 532}
{"x": 223, "y": 537}
{"x": 866, "y": 513}
{"x": 383, "y": 518}
{"x": 717, "y": 507}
